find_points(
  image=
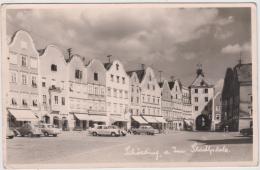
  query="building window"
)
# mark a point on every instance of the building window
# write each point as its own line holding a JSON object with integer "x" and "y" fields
{"x": 34, "y": 84}
{"x": 123, "y": 80}
{"x": 176, "y": 96}
{"x": 24, "y": 102}
{"x": 115, "y": 93}
{"x": 120, "y": 93}
{"x": 196, "y": 108}
{"x": 117, "y": 79}
{"x": 53, "y": 67}
{"x": 196, "y": 90}
{"x": 14, "y": 102}
{"x": 34, "y": 103}
{"x": 150, "y": 78}
{"x": 56, "y": 100}
{"x": 137, "y": 99}
{"x": 126, "y": 94}
{"x": 24, "y": 79}
{"x": 148, "y": 86}
{"x": 206, "y": 99}
{"x": 43, "y": 84}
{"x": 205, "y": 90}
{"x": 112, "y": 77}
{"x": 96, "y": 76}
{"x": 13, "y": 77}
{"x": 78, "y": 74}
{"x": 44, "y": 99}
{"x": 132, "y": 88}
{"x": 63, "y": 100}
{"x": 24, "y": 62}
{"x": 108, "y": 91}
{"x": 117, "y": 66}
{"x": 196, "y": 99}
{"x": 132, "y": 99}
{"x": 153, "y": 87}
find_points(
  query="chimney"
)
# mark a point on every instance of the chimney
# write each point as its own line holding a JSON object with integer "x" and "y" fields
{"x": 143, "y": 66}
{"x": 69, "y": 50}
{"x": 109, "y": 56}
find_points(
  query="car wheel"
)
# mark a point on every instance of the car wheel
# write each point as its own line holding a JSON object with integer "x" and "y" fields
{"x": 30, "y": 134}
{"x": 46, "y": 134}
{"x": 94, "y": 133}
{"x": 134, "y": 132}
{"x": 55, "y": 135}
{"x": 113, "y": 134}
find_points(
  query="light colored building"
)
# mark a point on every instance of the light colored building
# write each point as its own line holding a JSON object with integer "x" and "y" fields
{"x": 77, "y": 93}
{"x": 135, "y": 94}
{"x": 22, "y": 92}
{"x": 187, "y": 108}
{"x": 176, "y": 93}
{"x": 167, "y": 104}
{"x": 54, "y": 87}
{"x": 202, "y": 93}
{"x": 216, "y": 111}
{"x": 96, "y": 101}
{"x": 117, "y": 90}
{"x": 150, "y": 99}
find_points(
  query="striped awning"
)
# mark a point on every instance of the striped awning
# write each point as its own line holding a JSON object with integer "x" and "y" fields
{"x": 82, "y": 116}
{"x": 160, "y": 119}
{"x": 150, "y": 119}
{"x": 139, "y": 119}
{"x": 118, "y": 119}
{"x": 23, "y": 115}
{"x": 98, "y": 118}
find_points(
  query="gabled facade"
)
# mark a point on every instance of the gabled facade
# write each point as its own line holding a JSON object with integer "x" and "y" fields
{"x": 22, "y": 92}
{"x": 202, "y": 93}
{"x": 117, "y": 90}
{"x": 135, "y": 94}
{"x": 167, "y": 104}
{"x": 54, "y": 87}
{"x": 77, "y": 92}
{"x": 96, "y": 101}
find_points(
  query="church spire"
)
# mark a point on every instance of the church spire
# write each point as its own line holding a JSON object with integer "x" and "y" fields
{"x": 199, "y": 70}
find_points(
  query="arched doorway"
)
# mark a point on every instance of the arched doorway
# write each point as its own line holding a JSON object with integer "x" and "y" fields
{"x": 46, "y": 119}
{"x": 56, "y": 121}
{"x": 203, "y": 122}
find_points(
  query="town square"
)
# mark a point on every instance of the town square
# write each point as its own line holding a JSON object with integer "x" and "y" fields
{"x": 127, "y": 85}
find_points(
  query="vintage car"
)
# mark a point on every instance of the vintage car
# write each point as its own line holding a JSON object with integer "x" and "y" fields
{"x": 103, "y": 130}
{"x": 30, "y": 130}
{"x": 149, "y": 130}
{"x": 9, "y": 133}
{"x": 48, "y": 129}
{"x": 247, "y": 131}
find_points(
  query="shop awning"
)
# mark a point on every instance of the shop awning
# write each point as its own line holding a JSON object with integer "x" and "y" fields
{"x": 150, "y": 119}
{"x": 97, "y": 118}
{"x": 23, "y": 115}
{"x": 82, "y": 116}
{"x": 160, "y": 119}
{"x": 139, "y": 119}
{"x": 118, "y": 119}
{"x": 188, "y": 122}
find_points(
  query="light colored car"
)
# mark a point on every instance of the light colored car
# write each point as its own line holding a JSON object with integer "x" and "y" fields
{"x": 103, "y": 130}
{"x": 30, "y": 130}
{"x": 149, "y": 130}
{"x": 48, "y": 129}
{"x": 9, "y": 134}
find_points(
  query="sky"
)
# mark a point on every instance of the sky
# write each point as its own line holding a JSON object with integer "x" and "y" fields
{"x": 173, "y": 40}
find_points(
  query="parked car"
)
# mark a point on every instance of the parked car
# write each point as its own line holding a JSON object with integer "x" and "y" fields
{"x": 30, "y": 130}
{"x": 106, "y": 131}
{"x": 247, "y": 131}
{"x": 9, "y": 134}
{"x": 149, "y": 130}
{"x": 48, "y": 129}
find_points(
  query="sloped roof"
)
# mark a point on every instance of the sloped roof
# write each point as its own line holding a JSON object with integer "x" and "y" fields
{"x": 41, "y": 51}
{"x": 171, "y": 84}
{"x": 244, "y": 72}
{"x": 140, "y": 74}
{"x": 200, "y": 81}
{"x": 107, "y": 65}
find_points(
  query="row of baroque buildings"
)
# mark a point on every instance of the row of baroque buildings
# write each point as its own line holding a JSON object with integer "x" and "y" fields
{"x": 74, "y": 93}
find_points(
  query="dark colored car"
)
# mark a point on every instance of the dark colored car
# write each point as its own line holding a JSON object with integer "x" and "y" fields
{"x": 29, "y": 130}
{"x": 247, "y": 131}
{"x": 148, "y": 130}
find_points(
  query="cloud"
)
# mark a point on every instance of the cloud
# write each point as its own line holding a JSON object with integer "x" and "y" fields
{"x": 225, "y": 21}
{"x": 236, "y": 48}
{"x": 189, "y": 56}
{"x": 222, "y": 34}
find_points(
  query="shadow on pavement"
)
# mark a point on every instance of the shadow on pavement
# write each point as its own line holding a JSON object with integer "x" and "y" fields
{"x": 225, "y": 141}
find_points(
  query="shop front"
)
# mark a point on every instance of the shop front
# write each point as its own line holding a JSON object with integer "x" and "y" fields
{"x": 17, "y": 117}
{"x": 81, "y": 121}
{"x": 118, "y": 121}
{"x": 136, "y": 121}
{"x": 153, "y": 122}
